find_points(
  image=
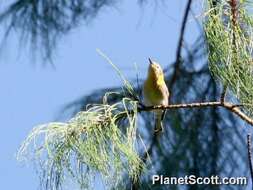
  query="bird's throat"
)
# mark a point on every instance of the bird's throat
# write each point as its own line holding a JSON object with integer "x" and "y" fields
{"x": 160, "y": 80}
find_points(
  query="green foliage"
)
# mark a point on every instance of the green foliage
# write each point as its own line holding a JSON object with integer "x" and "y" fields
{"x": 229, "y": 37}
{"x": 90, "y": 142}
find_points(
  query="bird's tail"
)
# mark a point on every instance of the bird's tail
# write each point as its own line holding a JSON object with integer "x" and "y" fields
{"x": 158, "y": 121}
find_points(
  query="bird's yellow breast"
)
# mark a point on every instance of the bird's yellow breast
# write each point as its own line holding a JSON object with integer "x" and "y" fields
{"x": 160, "y": 80}
{"x": 152, "y": 90}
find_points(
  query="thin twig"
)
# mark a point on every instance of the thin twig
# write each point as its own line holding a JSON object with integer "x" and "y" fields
{"x": 250, "y": 156}
{"x": 224, "y": 92}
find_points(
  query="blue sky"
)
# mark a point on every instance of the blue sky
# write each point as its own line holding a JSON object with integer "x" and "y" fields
{"x": 32, "y": 94}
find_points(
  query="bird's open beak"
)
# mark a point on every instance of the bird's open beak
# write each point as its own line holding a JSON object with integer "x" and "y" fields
{"x": 150, "y": 61}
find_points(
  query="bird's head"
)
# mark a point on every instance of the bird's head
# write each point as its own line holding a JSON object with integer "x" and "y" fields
{"x": 155, "y": 70}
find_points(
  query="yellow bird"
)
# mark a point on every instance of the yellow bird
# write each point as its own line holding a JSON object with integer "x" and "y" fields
{"x": 155, "y": 92}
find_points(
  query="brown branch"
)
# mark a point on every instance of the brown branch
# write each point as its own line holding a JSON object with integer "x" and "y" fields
{"x": 234, "y": 108}
{"x": 249, "y": 147}
{"x": 223, "y": 93}
{"x": 233, "y": 5}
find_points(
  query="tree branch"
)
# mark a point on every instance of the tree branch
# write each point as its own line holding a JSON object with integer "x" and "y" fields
{"x": 223, "y": 93}
{"x": 234, "y": 108}
{"x": 233, "y": 5}
{"x": 249, "y": 147}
